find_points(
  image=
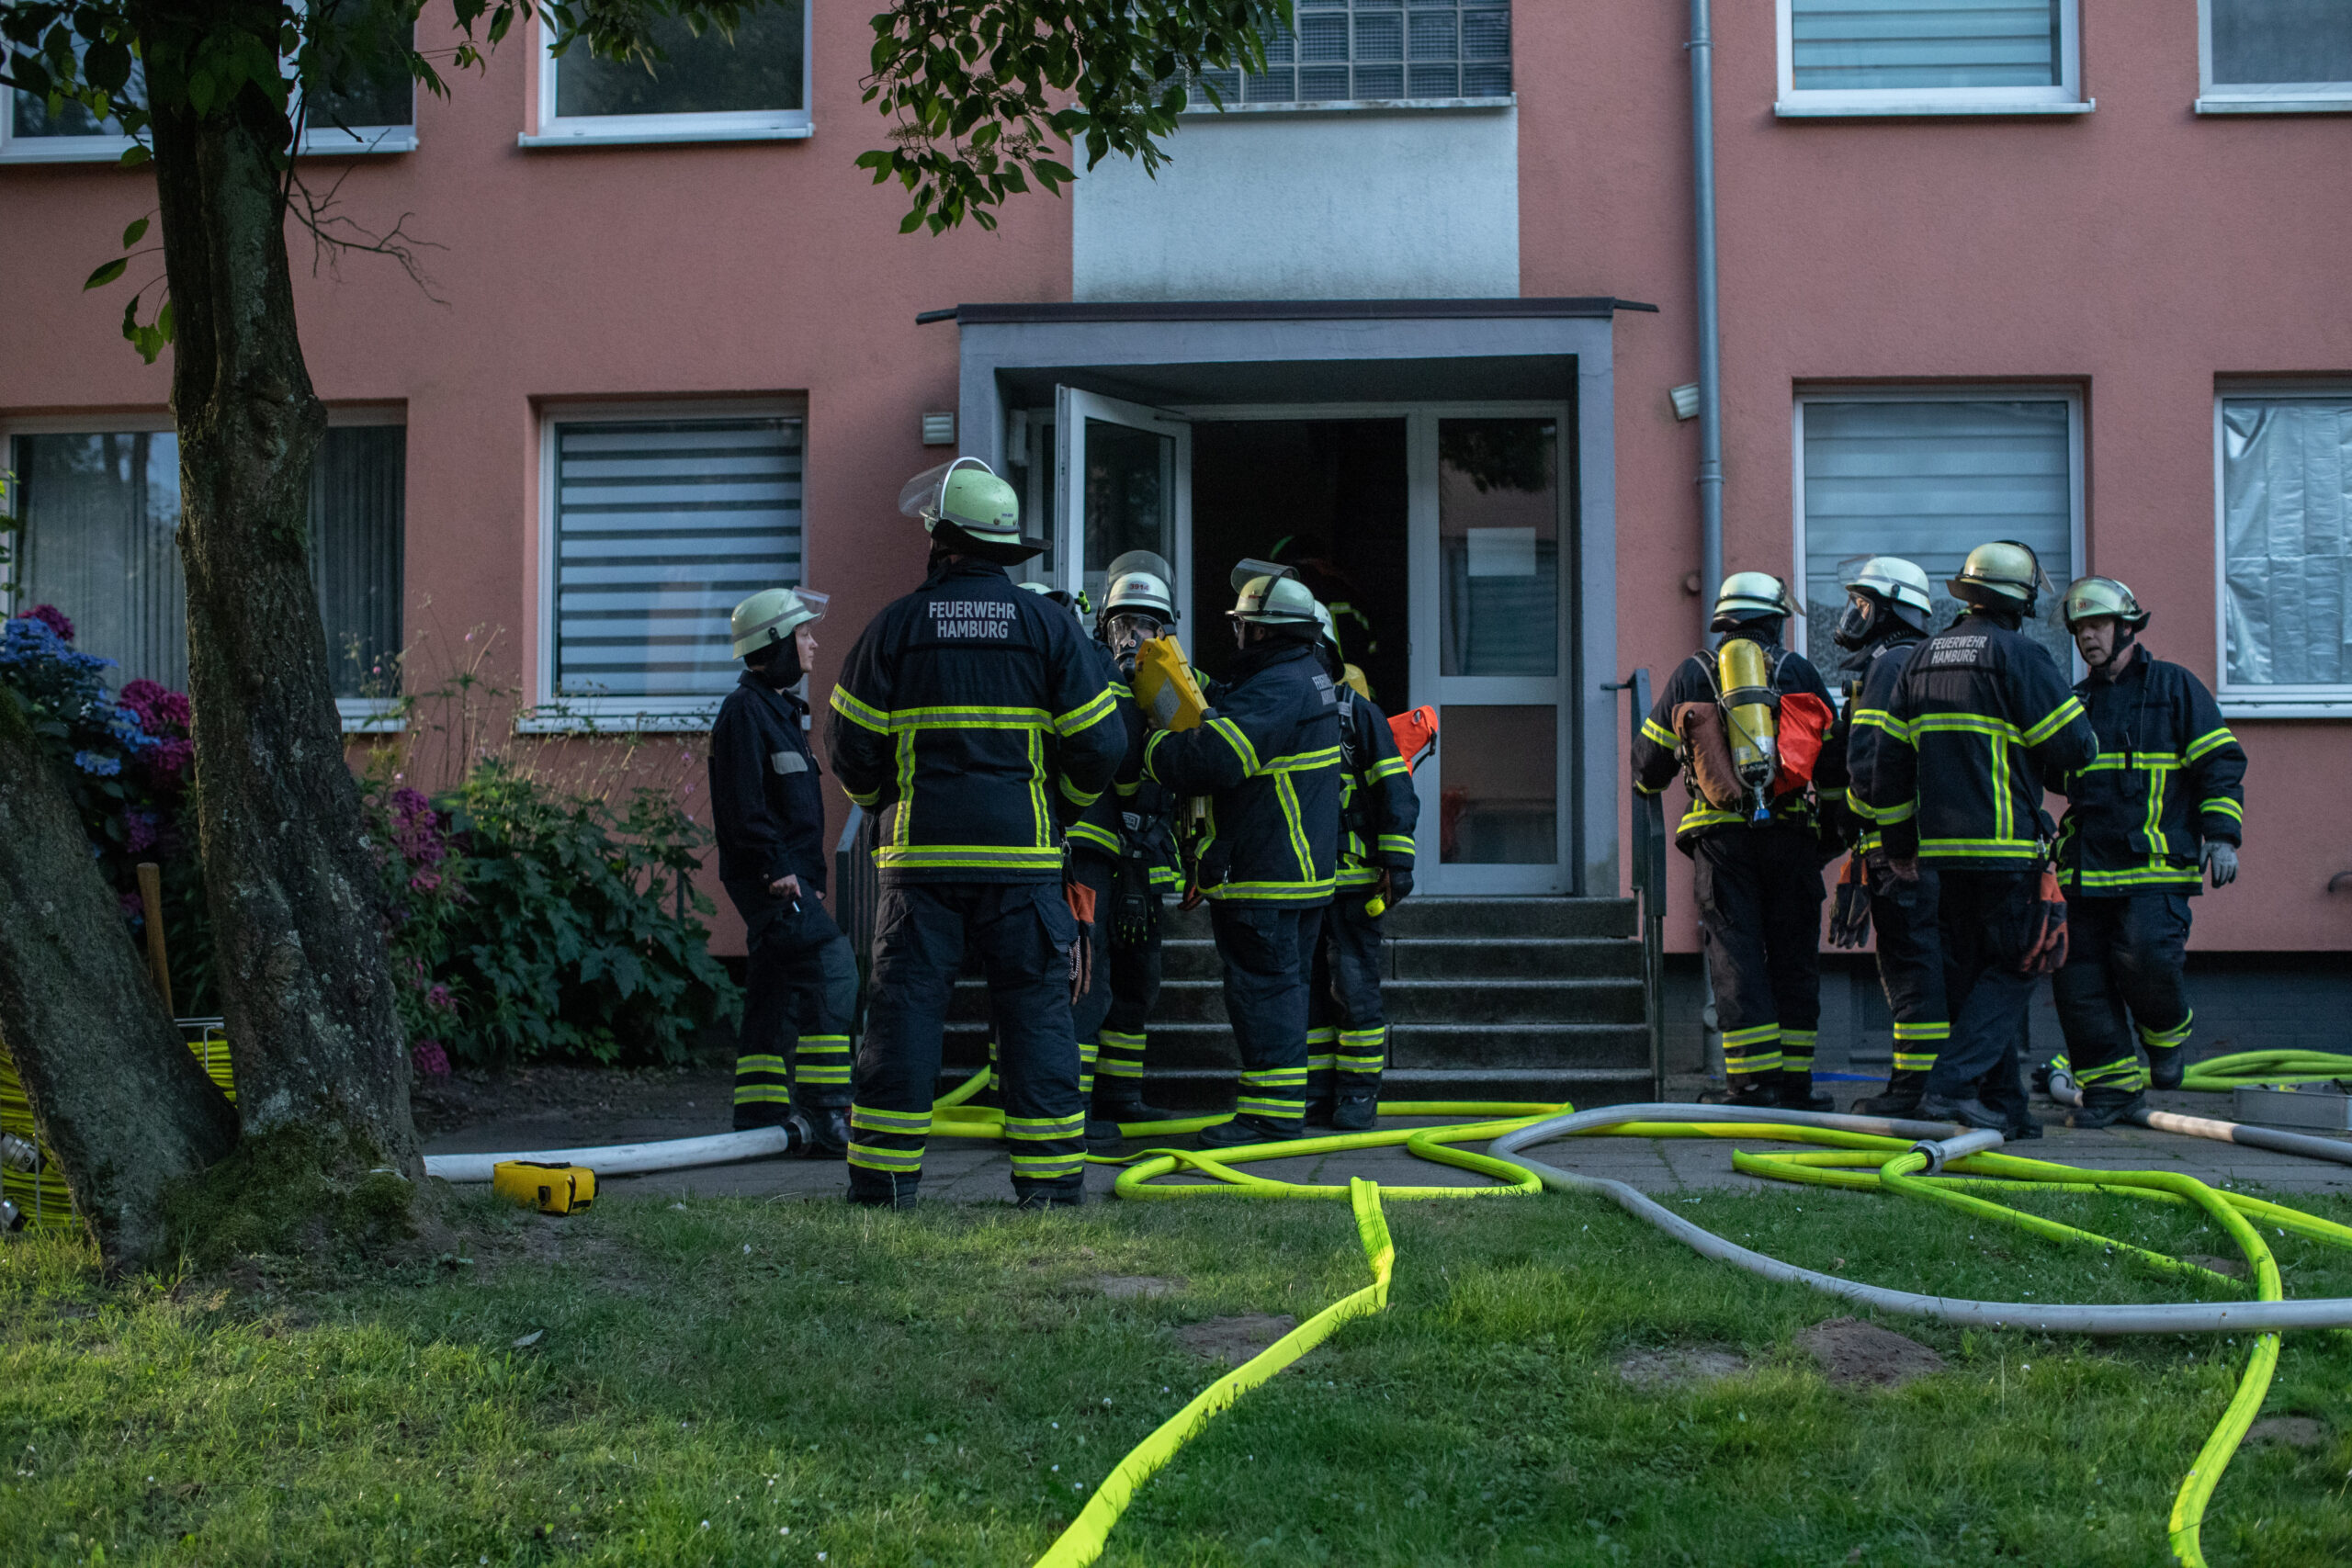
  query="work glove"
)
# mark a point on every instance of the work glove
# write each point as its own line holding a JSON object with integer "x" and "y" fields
{"x": 1395, "y": 883}
{"x": 2221, "y": 863}
{"x": 1905, "y": 870}
{"x": 2045, "y": 951}
{"x": 1849, "y": 913}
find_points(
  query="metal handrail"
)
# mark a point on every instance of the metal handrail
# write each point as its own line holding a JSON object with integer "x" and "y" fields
{"x": 857, "y": 895}
{"x": 1648, "y": 875}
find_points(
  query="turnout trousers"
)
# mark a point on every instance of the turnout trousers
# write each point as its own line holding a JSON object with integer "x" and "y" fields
{"x": 1910, "y": 963}
{"x": 1984, "y": 920}
{"x": 1347, "y": 1036}
{"x": 1759, "y": 892}
{"x": 1123, "y": 984}
{"x": 1086, "y": 1014}
{"x": 1023, "y": 934}
{"x": 799, "y": 994}
{"x": 2124, "y": 956}
{"x": 1269, "y": 954}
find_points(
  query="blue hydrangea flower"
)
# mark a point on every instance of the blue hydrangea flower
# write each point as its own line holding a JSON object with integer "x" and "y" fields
{"x": 97, "y": 765}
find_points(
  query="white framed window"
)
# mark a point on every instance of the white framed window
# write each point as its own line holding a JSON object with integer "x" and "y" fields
{"x": 100, "y": 503}
{"x": 32, "y": 131}
{"x": 1348, "y": 52}
{"x": 2274, "y": 56}
{"x": 1929, "y": 56}
{"x": 2282, "y": 549}
{"x": 1928, "y": 475}
{"x": 753, "y": 86}
{"x": 656, "y": 520}
{"x": 376, "y": 114}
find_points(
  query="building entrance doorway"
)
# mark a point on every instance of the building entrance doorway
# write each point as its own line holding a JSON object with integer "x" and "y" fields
{"x": 1434, "y": 531}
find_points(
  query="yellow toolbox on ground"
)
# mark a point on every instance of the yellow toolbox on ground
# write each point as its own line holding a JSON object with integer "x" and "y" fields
{"x": 550, "y": 1188}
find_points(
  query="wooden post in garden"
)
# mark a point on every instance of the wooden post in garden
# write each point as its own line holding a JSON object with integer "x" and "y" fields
{"x": 151, "y": 899}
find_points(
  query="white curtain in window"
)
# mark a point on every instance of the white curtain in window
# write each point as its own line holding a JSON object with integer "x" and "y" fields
{"x": 2281, "y": 42}
{"x": 99, "y": 511}
{"x": 2287, "y": 540}
{"x": 1929, "y": 480}
{"x": 359, "y": 500}
{"x": 662, "y": 527}
{"x": 1854, "y": 44}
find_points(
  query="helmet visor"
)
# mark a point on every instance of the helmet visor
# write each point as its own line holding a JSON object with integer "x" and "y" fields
{"x": 1127, "y": 629}
{"x": 816, "y": 603}
{"x": 922, "y": 494}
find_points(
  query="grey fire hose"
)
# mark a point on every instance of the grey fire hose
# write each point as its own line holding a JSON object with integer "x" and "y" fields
{"x": 2168, "y": 1317}
{"x": 2066, "y": 1091}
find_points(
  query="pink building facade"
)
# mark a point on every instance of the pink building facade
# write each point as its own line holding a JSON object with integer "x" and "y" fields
{"x": 2067, "y": 271}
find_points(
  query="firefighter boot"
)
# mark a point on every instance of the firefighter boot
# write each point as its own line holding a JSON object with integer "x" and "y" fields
{"x": 1760, "y": 1091}
{"x": 1118, "y": 1102}
{"x": 829, "y": 1133}
{"x": 2167, "y": 1065}
{"x": 1797, "y": 1092}
{"x": 1904, "y": 1087}
{"x": 2104, "y": 1107}
{"x": 883, "y": 1189}
{"x": 1355, "y": 1114}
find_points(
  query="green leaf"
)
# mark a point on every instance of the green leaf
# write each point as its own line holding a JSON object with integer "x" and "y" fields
{"x": 105, "y": 65}
{"x": 106, "y": 273}
{"x": 134, "y": 233}
{"x": 135, "y": 154}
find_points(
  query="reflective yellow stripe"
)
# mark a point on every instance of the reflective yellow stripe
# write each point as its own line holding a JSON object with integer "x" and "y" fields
{"x": 1653, "y": 731}
{"x": 874, "y": 1158}
{"x": 1878, "y": 718}
{"x": 2210, "y": 741}
{"x": 1074, "y": 795}
{"x": 866, "y": 797}
{"x": 758, "y": 1063}
{"x": 1387, "y": 768}
{"x": 2222, "y": 806}
{"x": 1963, "y": 724}
{"x": 1396, "y": 844}
{"x": 1736, "y": 1038}
{"x": 1921, "y": 1031}
{"x": 2156, "y": 841}
{"x": 2120, "y": 761}
{"x": 1246, "y": 892}
{"x": 762, "y": 1094}
{"x": 1914, "y": 1061}
{"x": 1933, "y": 847}
{"x": 1304, "y": 762}
{"x": 1102, "y": 838}
{"x": 2140, "y": 877}
{"x": 1087, "y": 716}
{"x": 2166, "y": 1039}
{"x": 912, "y": 1123}
{"x": 860, "y": 713}
{"x": 1891, "y": 813}
{"x": 969, "y": 857}
{"x": 2059, "y": 717}
{"x": 1231, "y": 732}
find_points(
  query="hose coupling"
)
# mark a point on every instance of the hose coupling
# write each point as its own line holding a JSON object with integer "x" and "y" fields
{"x": 12, "y": 1219}
{"x": 1941, "y": 1152}
{"x": 17, "y": 1154}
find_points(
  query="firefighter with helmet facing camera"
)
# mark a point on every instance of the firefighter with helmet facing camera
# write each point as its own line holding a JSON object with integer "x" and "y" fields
{"x": 1751, "y": 836}
{"x": 1887, "y": 616}
{"x": 2160, "y": 810}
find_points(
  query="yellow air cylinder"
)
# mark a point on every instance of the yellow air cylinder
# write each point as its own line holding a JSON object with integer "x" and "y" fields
{"x": 1752, "y": 723}
{"x": 1163, "y": 683}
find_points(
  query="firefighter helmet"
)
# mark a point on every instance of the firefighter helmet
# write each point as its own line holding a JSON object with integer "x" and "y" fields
{"x": 773, "y": 615}
{"x": 1274, "y": 602}
{"x": 2003, "y": 572}
{"x": 1750, "y": 596}
{"x": 2089, "y": 597}
{"x": 966, "y": 495}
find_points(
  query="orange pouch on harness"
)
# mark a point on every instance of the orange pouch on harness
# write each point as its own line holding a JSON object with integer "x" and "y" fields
{"x": 1804, "y": 723}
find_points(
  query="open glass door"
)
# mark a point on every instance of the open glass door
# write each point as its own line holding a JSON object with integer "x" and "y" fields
{"x": 1123, "y": 477}
{"x": 1489, "y": 649}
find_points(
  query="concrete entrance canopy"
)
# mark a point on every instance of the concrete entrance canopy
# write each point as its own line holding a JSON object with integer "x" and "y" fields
{"x": 1325, "y": 352}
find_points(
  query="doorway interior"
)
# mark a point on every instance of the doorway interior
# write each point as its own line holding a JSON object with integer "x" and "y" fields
{"x": 1436, "y": 532}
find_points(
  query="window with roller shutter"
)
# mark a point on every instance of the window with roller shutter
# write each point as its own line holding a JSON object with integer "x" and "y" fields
{"x": 1911, "y": 57}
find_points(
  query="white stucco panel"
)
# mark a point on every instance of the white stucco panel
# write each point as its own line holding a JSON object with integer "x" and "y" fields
{"x": 1355, "y": 205}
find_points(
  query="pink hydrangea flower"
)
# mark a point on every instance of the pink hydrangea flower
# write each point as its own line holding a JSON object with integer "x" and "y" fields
{"x": 53, "y": 618}
{"x": 429, "y": 1059}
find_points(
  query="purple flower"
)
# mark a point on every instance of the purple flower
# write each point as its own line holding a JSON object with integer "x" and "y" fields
{"x": 134, "y": 908}
{"x": 439, "y": 1000}
{"x": 425, "y": 881}
{"x": 429, "y": 1059}
{"x": 158, "y": 707}
{"x": 171, "y": 756}
{"x": 53, "y": 618}
{"x": 139, "y": 830}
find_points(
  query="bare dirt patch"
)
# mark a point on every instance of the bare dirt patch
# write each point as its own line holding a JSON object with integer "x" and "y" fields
{"x": 2234, "y": 1266}
{"x": 1135, "y": 1287}
{"x": 2290, "y": 1431}
{"x": 1854, "y": 1354}
{"x": 562, "y": 1100}
{"x": 1681, "y": 1366}
{"x": 1234, "y": 1341}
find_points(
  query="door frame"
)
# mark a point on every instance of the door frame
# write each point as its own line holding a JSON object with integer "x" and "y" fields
{"x": 1421, "y": 418}
{"x": 1073, "y": 407}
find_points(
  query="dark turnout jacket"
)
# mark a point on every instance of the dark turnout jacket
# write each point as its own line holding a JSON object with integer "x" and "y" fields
{"x": 766, "y": 809}
{"x": 1656, "y": 759}
{"x": 977, "y": 717}
{"x": 2168, "y": 775}
{"x": 1378, "y": 808}
{"x": 1978, "y": 720}
{"x": 1268, "y": 757}
{"x": 1861, "y": 732}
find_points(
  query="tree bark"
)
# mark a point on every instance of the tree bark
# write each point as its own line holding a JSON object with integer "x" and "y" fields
{"x": 290, "y": 878}
{"x": 117, "y": 1097}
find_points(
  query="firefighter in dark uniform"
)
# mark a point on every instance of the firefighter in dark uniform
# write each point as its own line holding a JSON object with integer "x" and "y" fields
{"x": 2160, "y": 810}
{"x": 1129, "y": 835}
{"x": 978, "y": 716}
{"x": 1268, "y": 757}
{"x": 1979, "y": 719}
{"x": 768, "y": 814}
{"x": 1757, "y": 884}
{"x": 1378, "y": 812}
{"x": 1887, "y": 616}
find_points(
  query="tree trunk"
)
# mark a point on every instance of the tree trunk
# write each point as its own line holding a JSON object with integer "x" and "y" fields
{"x": 290, "y": 878}
{"x": 117, "y": 1097}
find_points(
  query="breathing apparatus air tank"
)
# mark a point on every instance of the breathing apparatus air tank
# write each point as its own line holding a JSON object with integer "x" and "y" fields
{"x": 1751, "y": 720}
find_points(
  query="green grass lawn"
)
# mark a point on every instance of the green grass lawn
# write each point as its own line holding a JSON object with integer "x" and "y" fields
{"x": 764, "y": 1382}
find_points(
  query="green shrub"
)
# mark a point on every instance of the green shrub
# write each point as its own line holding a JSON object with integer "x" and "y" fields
{"x": 534, "y": 923}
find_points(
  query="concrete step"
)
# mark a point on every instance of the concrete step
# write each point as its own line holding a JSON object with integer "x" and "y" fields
{"x": 1468, "y": 958}
{"x": 1437, "y": 1002}
{"x": 1420, "y": 916}
{"x": 1467, "y": 1047}
{"x": 1204, "y": 1089}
